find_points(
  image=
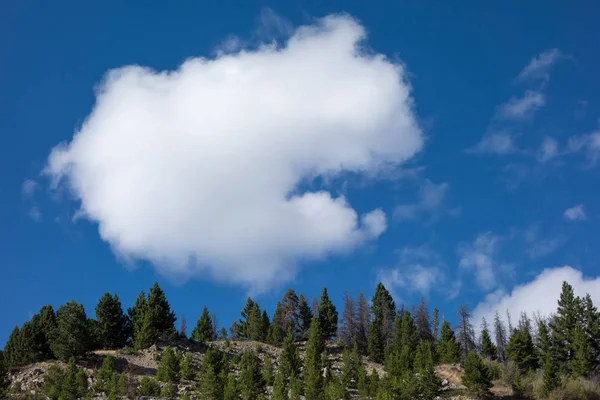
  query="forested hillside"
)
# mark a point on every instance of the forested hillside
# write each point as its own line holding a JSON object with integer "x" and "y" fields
{"x": 371, "y": 350}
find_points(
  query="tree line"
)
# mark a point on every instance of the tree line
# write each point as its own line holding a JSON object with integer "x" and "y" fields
{"x": 409, "y": 343}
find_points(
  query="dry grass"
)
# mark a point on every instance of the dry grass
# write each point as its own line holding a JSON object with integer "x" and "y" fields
{"x": 452, "y": 373}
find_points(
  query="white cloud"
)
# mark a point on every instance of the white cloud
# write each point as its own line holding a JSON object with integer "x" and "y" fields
{"x": 199, "y": 170}
{"x": 419, "y": 269}
{"x": 575, "y": 213}
{"x": 536, "y": 246}
{"x": 481, "y": 257}
{"x": 497, "y": 142}
{"x": 548, "y": 150}
{"x": 589, "y": 144}
{"x": 541, "y": 294}
{"x": 431, "y": 198}
{"x": 539, "y": 66}
{"x": 521, "y": 107}
{"x": 29, "y": 187}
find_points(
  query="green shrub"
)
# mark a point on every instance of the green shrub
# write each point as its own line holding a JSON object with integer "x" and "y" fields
{"x": 494, "y": 367}
{"x": 149, "y": 387}
{"x": 168, "y": 391}
{"x": 260, "y": 348}
{"x": 577, "y": 389}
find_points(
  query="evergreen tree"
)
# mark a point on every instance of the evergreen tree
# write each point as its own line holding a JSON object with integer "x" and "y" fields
{"x": 521, "y": 350}
{"x": 592, "y": 326}
{"x": 254, "y": 324}
{"x": 168, "y": 369}
{"x": 231, "y": 391}
{"x": 267, "y": 370}
{"x": 563, "y": 326}
{"x": 313, "y": 378}
{"x": 203, "y": 332}
{"x": 13, "y": 350}
{"x": 4, "y": 381}
{"x": 242, "y": 325}
{"x": 186, "y": 367}
{"x": 275, "y": 336}
{"x": 149, "y": 387}
{"x": 543, "y": 343}
{"x": 266, "y": 323}
{"x": 280, "y": 391}
{"x": 328, "y": 316}
{"x": 112, "y": 322}
{"x": 146, "y": 336}
{"x": 251, "y": 381}
{"x": 476, "y": 376}
{"x": 289, "y": 360}
{"x": 209, "y": 384}
{"x": 223, "y": 334}
{"x": 488, "y": 349}
{"x": 448, "y": 349}
{"x": 335, "y": 390}
{"x": 500, "y": 337}
{"x": 71, "y": 336}
{"x": 383, "y": 310}
{"x": 48, "y": 326}
{"x": 583, "y": 358}
{"x": 376, "y": 345}
{"x": 295, "y": 388}
{"x": 136, "y": 318}
{"x": 427, "y": 382}
{"x": 550, "y": 380}
{"x": 105, "y": 376}
{"x": 422, "y": 322}
{"x": 351, "y": 366}
{"x": 68, "y": 384}
{"x": 348, "y": 328}
{"x": 305, "y": 317}
{"x": 465, "y": 332}
{"x": 288, "y": 313}
{"x": 409, "y": 341}
{"x": 162, "y": 318}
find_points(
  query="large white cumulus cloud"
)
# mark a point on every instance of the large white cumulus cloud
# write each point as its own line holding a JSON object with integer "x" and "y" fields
{"x": 540, "y": 295}
{"x": 199, "y": 170}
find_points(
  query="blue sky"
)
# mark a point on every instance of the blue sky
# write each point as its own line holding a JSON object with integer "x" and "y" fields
{"x": 451, "y": 152}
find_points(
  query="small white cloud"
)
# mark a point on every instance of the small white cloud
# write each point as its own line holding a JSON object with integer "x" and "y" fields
{"x": 518, "y": 108}
{"x": 481, "y": 257}
{"x": 548, "y": 150}
{"x": 431, "y": 199}
{"x": 499, "y": 142}
{"x": 536, "y": 246}
{"x": 539, "y": 66}
{"x": 419, "y": 269}
{"x": 540, "y": 295}
{"x": 589, "y": 144}
{"x": 29, "y": 187}
{"x": 575, "y": 213}
{"x": 200, "y": 170}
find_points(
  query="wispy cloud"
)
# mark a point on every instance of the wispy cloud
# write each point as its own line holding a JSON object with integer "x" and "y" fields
{"x": 480, "y": 256}
{"x": 538, "y": 245}
{"x": 29, "y": 188}
{"x": 539, "y": 66}
{"x": 548, "y": 150}
{"x": 588, "y": 144}
{"x": 575, "y": 213}
{"x": 431, "y": 199}
{"x": 499, "y": 142}
{"x": 518, "y": 108}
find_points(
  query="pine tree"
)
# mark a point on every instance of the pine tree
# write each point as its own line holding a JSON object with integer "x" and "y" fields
{"x": 334, "y": 390}
{"x": 563, "y": 326}
{"x": 289, "y": 360}
{"x": 288, "y": 313}
{"x": 592, "y": 326}
{"x": 266, "y": 323}
{"x": 422, "y": 322}
{"x": 13, "y": 349}
{"x": 348, "y": 328}
{"x": 71, "y": 337}
{"x": 500, "y": 336}
{"x": 363, "y": 323}
{"x": 543, "y": 343}
{"x": 146, "y": 336}
{"x": 550, "y": 380}
{"x": 186, "y": 367}
{"x": 448, "y": 349}
{"x": 521, "y": 350}
{"x": 305, "y": 317}
{"x": 383, "y": 310}
{"x": 105, "y": 376}
{"x": 313, "y": 378}
{"x": 112, "y": 323}
{"x": 488, "y": 349}
{"x": 254, "y": 324}
{"x": 4, "y": 381}
{"x": 209, "y": 384}
{"x": 280, "y": 391}
{"x": 583, "y": 358}
{"x": 251, "y": 381}
{"x": 149, "y": 387}
{"x": 376, "y": 345}
{"x": 275, "y": 335}
{"x": 295, "y": 388}
{"x": 168, "y": 369}
{"x": 409, "y": 341}
{"x": 465, "y": 332}
{"x": 223, "y": 334}
{"x": 231, "y": 392}
{"x": 328, "y": 316}
{"x": 162, "y": 318}
{"x": 136, "y": 318}
{"x": 267, "y": 370}
{"x": 203, "y": 332}
{"x": 476, "y": 376}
